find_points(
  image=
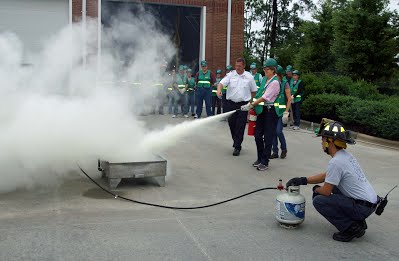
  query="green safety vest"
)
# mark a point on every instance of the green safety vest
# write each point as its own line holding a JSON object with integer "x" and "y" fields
{"x": 224, "y": 89}
{"x": 158, "y": 85}
{"x": 256, "y": 78}
{"x": 191, "y": 84}
{"x": 204, "y": 80}
{"x": 294, "y": 88}
{"x": 215, "y": 86}
{"x": 181, "y": 82}
{"x": 280, "y": 103}
{"x": 261, "y": 91}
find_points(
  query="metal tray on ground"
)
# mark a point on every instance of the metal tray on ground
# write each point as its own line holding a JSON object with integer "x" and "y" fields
{"x": 116, "y": 171}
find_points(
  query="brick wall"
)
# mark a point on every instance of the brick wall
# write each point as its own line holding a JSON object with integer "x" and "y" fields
{"x": 216, "y": 30}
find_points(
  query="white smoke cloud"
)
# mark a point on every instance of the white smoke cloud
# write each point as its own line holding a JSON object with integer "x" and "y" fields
{"x": 58, "y": 112}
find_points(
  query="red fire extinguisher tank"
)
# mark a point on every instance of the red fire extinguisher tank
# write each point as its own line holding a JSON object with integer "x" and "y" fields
{"x": 251, "y": 123}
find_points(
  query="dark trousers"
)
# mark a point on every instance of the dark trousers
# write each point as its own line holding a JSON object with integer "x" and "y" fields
{"x": 296, "y": 109}
{"x": 237, "y": 122}
{"x": 266, "y": 124}
{"x": 216, "y": 102}
{"x": 224, "y": 102}
{"x": 191, "y": 98}
{"x": 204, "y": 94}
{"x": 340, "y": 210}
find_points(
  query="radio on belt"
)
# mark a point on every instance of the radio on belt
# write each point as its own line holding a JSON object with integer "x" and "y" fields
{"x": 290, "y": 207}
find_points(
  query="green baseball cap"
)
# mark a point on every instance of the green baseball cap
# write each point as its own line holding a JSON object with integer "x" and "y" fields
{"x": 189, "y": 70}
{"x": 181, "y": 67}
{"x": 218, "y": 71}
{"x": 253, "y": 66}
{"x": 204, "y": 63}
{"x": 280, "y": 70}
{"x": 297, "y": 72}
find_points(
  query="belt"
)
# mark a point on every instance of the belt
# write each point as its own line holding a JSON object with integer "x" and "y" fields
{"x": 241, "y": 102}
{"x": 365, "y": 203}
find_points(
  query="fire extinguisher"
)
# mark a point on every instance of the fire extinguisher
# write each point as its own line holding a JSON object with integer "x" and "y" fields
{"x": 251, "y": 123}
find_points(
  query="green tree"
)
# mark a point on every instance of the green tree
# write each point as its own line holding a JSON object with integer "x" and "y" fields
{"x": 366, "y": 41}
{"x": 315, "y": 54}
{"x": 280, "y": 21}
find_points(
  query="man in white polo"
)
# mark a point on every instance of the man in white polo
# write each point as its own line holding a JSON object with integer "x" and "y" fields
{"x": 242, "y": 88}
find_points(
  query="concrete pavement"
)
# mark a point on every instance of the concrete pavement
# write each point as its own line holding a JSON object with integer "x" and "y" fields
{"x": 77, "y": 221}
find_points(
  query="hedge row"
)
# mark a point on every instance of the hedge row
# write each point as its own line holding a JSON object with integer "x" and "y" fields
{"x": 374, "y": 117}
{"x": 343, "y": 85}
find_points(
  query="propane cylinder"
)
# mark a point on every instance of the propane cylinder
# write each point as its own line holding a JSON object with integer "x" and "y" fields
{"x": 290, "y": 207}
{"x": 252, "y": 123}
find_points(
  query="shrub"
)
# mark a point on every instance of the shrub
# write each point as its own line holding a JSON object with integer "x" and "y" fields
{"x": 343, "y": 85}
{"x": 377, "y": 118}
{"x": 324, "y": 105}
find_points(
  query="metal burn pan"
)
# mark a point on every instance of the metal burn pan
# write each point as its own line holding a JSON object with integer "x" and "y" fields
{"x": 114, "y": 172}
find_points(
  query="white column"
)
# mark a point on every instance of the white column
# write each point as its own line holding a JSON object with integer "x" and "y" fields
{"x": 228, "y": 32}
{"x": 202, "y": 36}
{"x": 99, "y": 28}
{"x": 84, "y": 50}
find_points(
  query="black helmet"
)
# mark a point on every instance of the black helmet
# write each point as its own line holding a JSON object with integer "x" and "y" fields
{"x": 335, "y": 130}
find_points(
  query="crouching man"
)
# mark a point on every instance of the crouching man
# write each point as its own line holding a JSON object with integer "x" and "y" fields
{"x": 346, "y": 198}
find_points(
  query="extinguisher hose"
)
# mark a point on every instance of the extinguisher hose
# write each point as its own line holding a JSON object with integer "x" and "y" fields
{"x": 116, "y": 196}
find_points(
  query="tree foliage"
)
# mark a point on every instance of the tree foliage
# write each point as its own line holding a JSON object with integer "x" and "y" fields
{"x": 278, "y": 35}
{"x": 365, "y": 40}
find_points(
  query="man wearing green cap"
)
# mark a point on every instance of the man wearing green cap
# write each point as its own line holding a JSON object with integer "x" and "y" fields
{"x": 204, "y": 79}
{"x": 297, "y": 91}
{"x": 284, "y": 104}
{"x": 215, "y": 98}
{"x": 257, "y": 76}
{"x": 191, "y": 91}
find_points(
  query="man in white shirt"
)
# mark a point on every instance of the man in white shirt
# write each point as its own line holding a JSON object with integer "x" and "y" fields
{"x": 242, "y": 88}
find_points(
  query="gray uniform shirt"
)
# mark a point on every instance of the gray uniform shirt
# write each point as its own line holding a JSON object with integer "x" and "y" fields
{"x": 345, "y": 172}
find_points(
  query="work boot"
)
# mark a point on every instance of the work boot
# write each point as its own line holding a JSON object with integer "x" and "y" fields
{"x": 363, "y": 224}
{"x": 355, "y": 230}
{"x": 256, "y": 164}
{"x": 236, "y": 152}
{"x": 283, "y": 154}
{"x": 274, "y": 156}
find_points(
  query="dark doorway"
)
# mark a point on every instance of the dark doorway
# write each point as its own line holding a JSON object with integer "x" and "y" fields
{"x": 180, "y": 23}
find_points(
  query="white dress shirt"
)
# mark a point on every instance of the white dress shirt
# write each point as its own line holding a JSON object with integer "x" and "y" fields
{"x": 240, "y": 86}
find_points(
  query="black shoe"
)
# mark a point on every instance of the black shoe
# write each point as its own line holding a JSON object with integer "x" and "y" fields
{"x": 193, "y": 114}
{"x": 355, "y": 230}
{"x": 256, "y": 164}
{"x": 363, "y": 224}
{"x": 283, "y": 154}
{"x": 262, "y": 167}
{"x": 236, "y": 152}
{"x": 273, "y": 156}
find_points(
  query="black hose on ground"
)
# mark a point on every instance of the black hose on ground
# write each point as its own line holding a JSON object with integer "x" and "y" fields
{"x": 170, "y": 207}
